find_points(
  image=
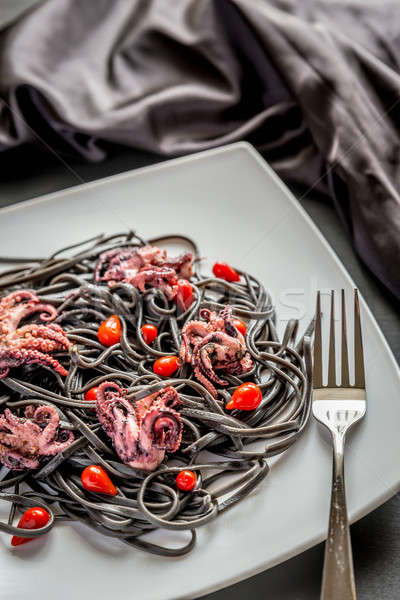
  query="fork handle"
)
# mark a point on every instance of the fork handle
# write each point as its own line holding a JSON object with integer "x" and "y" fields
{"x": 338, "y": 574}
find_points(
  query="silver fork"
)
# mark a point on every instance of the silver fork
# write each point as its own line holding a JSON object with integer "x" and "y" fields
{"x": 338, "y": 407}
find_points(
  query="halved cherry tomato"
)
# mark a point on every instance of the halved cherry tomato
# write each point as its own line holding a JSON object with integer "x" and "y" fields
{"x": 184, "y": 296}
{"x": 91, "y": 394}
{"x": 186, "y": 481}
{"x": 166, "y": 365}
{"x": 246, "y": 397}
{"x": 109, "y": 332}
{"x": 33, "y": 518}
{"x": 149, "y": 333}
{"x": 224, "y": 271}
{"x": 240, "y": 326}
{"x": 95, "y": 479}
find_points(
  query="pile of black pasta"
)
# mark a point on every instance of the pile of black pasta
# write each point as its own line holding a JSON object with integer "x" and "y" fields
{"x": 215, "y": 444}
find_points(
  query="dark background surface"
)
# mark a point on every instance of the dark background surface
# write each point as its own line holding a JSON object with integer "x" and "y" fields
{"x": 32, "y": 171}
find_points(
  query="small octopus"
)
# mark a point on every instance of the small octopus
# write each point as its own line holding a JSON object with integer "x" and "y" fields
{"x": 214, "y": 344}
{"x": 140, "y": 434}
{"x": 146, "y": 266}
{"x": 31, "y": 343}
{"x": 24, "y": 441}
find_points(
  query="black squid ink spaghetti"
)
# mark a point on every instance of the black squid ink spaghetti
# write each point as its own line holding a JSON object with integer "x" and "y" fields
{"x": 138, "y": 394}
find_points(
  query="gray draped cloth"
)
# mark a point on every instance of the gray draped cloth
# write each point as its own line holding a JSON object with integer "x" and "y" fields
{"x": 315, "y": 85}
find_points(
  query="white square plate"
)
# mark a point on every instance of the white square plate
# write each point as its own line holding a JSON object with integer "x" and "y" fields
{"x": 238, "y": 210}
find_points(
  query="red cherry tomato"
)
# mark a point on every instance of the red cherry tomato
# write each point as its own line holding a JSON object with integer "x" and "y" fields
{"x": 184, "y": 296}
{"x": 149, "y": 333}
{"x": 240, "y": 326}
{"x": 109, "y": 332}
{"x": 95, "y": 479}
{"x": 166, "y": 365}
{"x": 224, "y": 271}
{"x": 91, "y": 394}
{"x": 246, "y": 397}
{"x": 186, "y": 481}
{"x": 34, "y": 518}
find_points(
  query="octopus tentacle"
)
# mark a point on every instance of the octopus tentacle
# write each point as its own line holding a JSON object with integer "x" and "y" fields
{"x": 125, "y": 435}
{"x": 206, "y": 382}
{"x": 48, "y": 442}
{"x": 192, "y": 334}
{"x": 182, "y": 265}
{"x": 140, "y": 434}
{"x": 30, "y": 343}
{"x": 16, "y": 298}
{"x": 204, "y": 363}
{"x": 165, "y": 427}
{"x": 9, "y": 419}
{"x": 226, "y": 316}
{"x": 23, "y": 442}
{"x": 144, "y": 267}
{"x": 241, "y": 366}
{"x": 11, "y": 357}
{"x": 53, "y": 421}
{"x": 41, "y": 337}
{"x": 13, "y": 460}
{"x": 107, "y": 394}
{"x": 9, "y": 439}
{"x": 13, "y": 308}
{"x": 214, "y": 344}
{"x": 105, "y": 257}
{"x": 205, "y": 314}
{"x": 168, "y": 397}
{"x": 162, "y": 278}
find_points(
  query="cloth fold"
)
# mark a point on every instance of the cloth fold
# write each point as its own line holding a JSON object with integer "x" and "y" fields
{"x": 314, "y": 85}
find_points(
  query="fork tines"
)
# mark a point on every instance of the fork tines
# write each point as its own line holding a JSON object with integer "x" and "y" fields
{"x": 359, "y": 381}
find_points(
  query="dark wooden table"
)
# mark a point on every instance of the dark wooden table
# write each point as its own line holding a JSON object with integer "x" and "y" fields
{"x": 33, "y": 171}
